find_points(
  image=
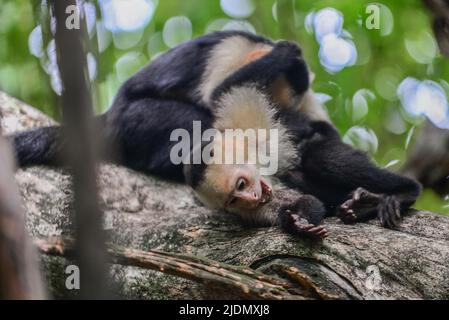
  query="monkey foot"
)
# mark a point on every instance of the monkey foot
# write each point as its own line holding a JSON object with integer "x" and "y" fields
{"x": 302, "y": 227}
{"x": 364, "y": 204}
{"x": 361, "y": 203}
{"x": 389, "y": 212}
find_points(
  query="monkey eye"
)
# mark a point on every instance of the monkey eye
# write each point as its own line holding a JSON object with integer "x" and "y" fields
{"x": 241, "y": 184}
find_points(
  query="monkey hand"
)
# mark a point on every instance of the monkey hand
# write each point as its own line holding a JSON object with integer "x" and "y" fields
{"x": 303, "y": 218}
{"x": 286, "y": 53}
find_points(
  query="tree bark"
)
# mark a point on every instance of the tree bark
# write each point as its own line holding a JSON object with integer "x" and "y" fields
{"x": 144, "y": 216}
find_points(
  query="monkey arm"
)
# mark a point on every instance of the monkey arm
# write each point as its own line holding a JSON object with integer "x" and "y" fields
{"x": 283, "y": 59}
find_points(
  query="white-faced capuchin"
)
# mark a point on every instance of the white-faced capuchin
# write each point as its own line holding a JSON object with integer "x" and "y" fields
{"x": 236, "y": 80}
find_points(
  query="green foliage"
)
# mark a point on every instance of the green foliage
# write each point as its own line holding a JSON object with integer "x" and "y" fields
{"x": 362, "y": 96}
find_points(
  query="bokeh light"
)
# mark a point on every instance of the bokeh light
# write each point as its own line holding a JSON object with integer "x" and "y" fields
{"x": 386, "y": 81}
{"x": 128, "y": 64}
{"x": 104, "y": 37}
{"x": 362, "y": 138}
{"x": 359, "y": 106}
{"x": 322, "y": 97}
{"x": 394, "y": 122}
{"x": 35, "y": 42}
{"x": 238, "y": 8}
{"x": 386, "y": 20}
{"x": 326, "y": 21}
{"x": 216, "y": 25}
{"x": 239, "y": 25}
{"x": 91, "y": 66}
{"x": 155, "y": 45}
{"x": 127, "y": 40}
{"x": 90, "y": 13}
{"x": 422, "y": 47}
{"x": 337, "y": 53}
{"x": 425, "y": 98}
{"x": 337, "y": 50}
{"x": 127, "y": 15}
{"x": 52, "y": 69}
{"x": 176, "y": 31}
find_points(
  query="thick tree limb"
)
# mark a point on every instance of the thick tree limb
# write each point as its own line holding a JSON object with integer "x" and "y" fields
{"x": 363, "y": 261}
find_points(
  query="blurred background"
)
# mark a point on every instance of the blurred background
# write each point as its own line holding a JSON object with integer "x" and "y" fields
{"x": 380, "y": 80}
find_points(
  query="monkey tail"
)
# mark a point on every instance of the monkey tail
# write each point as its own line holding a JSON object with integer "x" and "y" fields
{"x": 44, "y": 146}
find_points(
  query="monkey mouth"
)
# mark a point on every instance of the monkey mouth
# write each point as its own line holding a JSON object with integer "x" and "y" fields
{"x": 266, "y": 193}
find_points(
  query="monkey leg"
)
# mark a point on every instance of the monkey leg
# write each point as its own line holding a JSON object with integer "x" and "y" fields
{"x": 364, "y": 205}
{"x": 303, "y": 217}
{"x": 333, "y": 170}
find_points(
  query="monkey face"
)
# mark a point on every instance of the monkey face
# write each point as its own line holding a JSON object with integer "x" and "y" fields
{"x": 248, "y": 191}
{"x": 235, "y": 188}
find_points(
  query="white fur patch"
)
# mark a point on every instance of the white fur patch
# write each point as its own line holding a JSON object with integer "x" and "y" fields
{"x": 226, "y": 58}
{"x": 248, "y": 108}
{"x": 310, "y": 106}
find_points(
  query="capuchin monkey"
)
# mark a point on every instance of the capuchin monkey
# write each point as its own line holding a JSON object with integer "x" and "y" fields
{"x": 236, "y": 80}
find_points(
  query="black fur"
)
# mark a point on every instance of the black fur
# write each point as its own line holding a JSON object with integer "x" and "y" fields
{"x": 177, "y": 73}
{"x": 163, "y": 96}
{"x": 39, "y": 146}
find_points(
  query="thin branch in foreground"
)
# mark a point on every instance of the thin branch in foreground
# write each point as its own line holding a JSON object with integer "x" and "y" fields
{"x": 245, "y": 282}
{"x": 81, "y": 153}
{"x": 19, "y": 267}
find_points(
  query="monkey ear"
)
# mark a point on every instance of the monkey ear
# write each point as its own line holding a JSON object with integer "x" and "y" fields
{"x": 194, "y": 172}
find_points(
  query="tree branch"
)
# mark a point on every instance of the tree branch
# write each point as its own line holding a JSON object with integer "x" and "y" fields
{"x": 244, "y": 282}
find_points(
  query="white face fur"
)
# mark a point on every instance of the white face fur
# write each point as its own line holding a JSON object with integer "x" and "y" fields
{"x": 235, "y": 188}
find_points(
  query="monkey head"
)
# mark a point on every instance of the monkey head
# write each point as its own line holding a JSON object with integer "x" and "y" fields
{"x": 236, "y": 188}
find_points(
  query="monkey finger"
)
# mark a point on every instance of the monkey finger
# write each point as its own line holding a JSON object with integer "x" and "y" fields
{"x": 304, "y": 227}
{"x": 380, "y": 216}
{"x": 389, "y": 219}
{"x": 316, "y": 230}
{"x": 397, "y": 210}
{"x": 358, "y": 193}
{"x": 323, "y": 233}
{"x": 391, "y": 216}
